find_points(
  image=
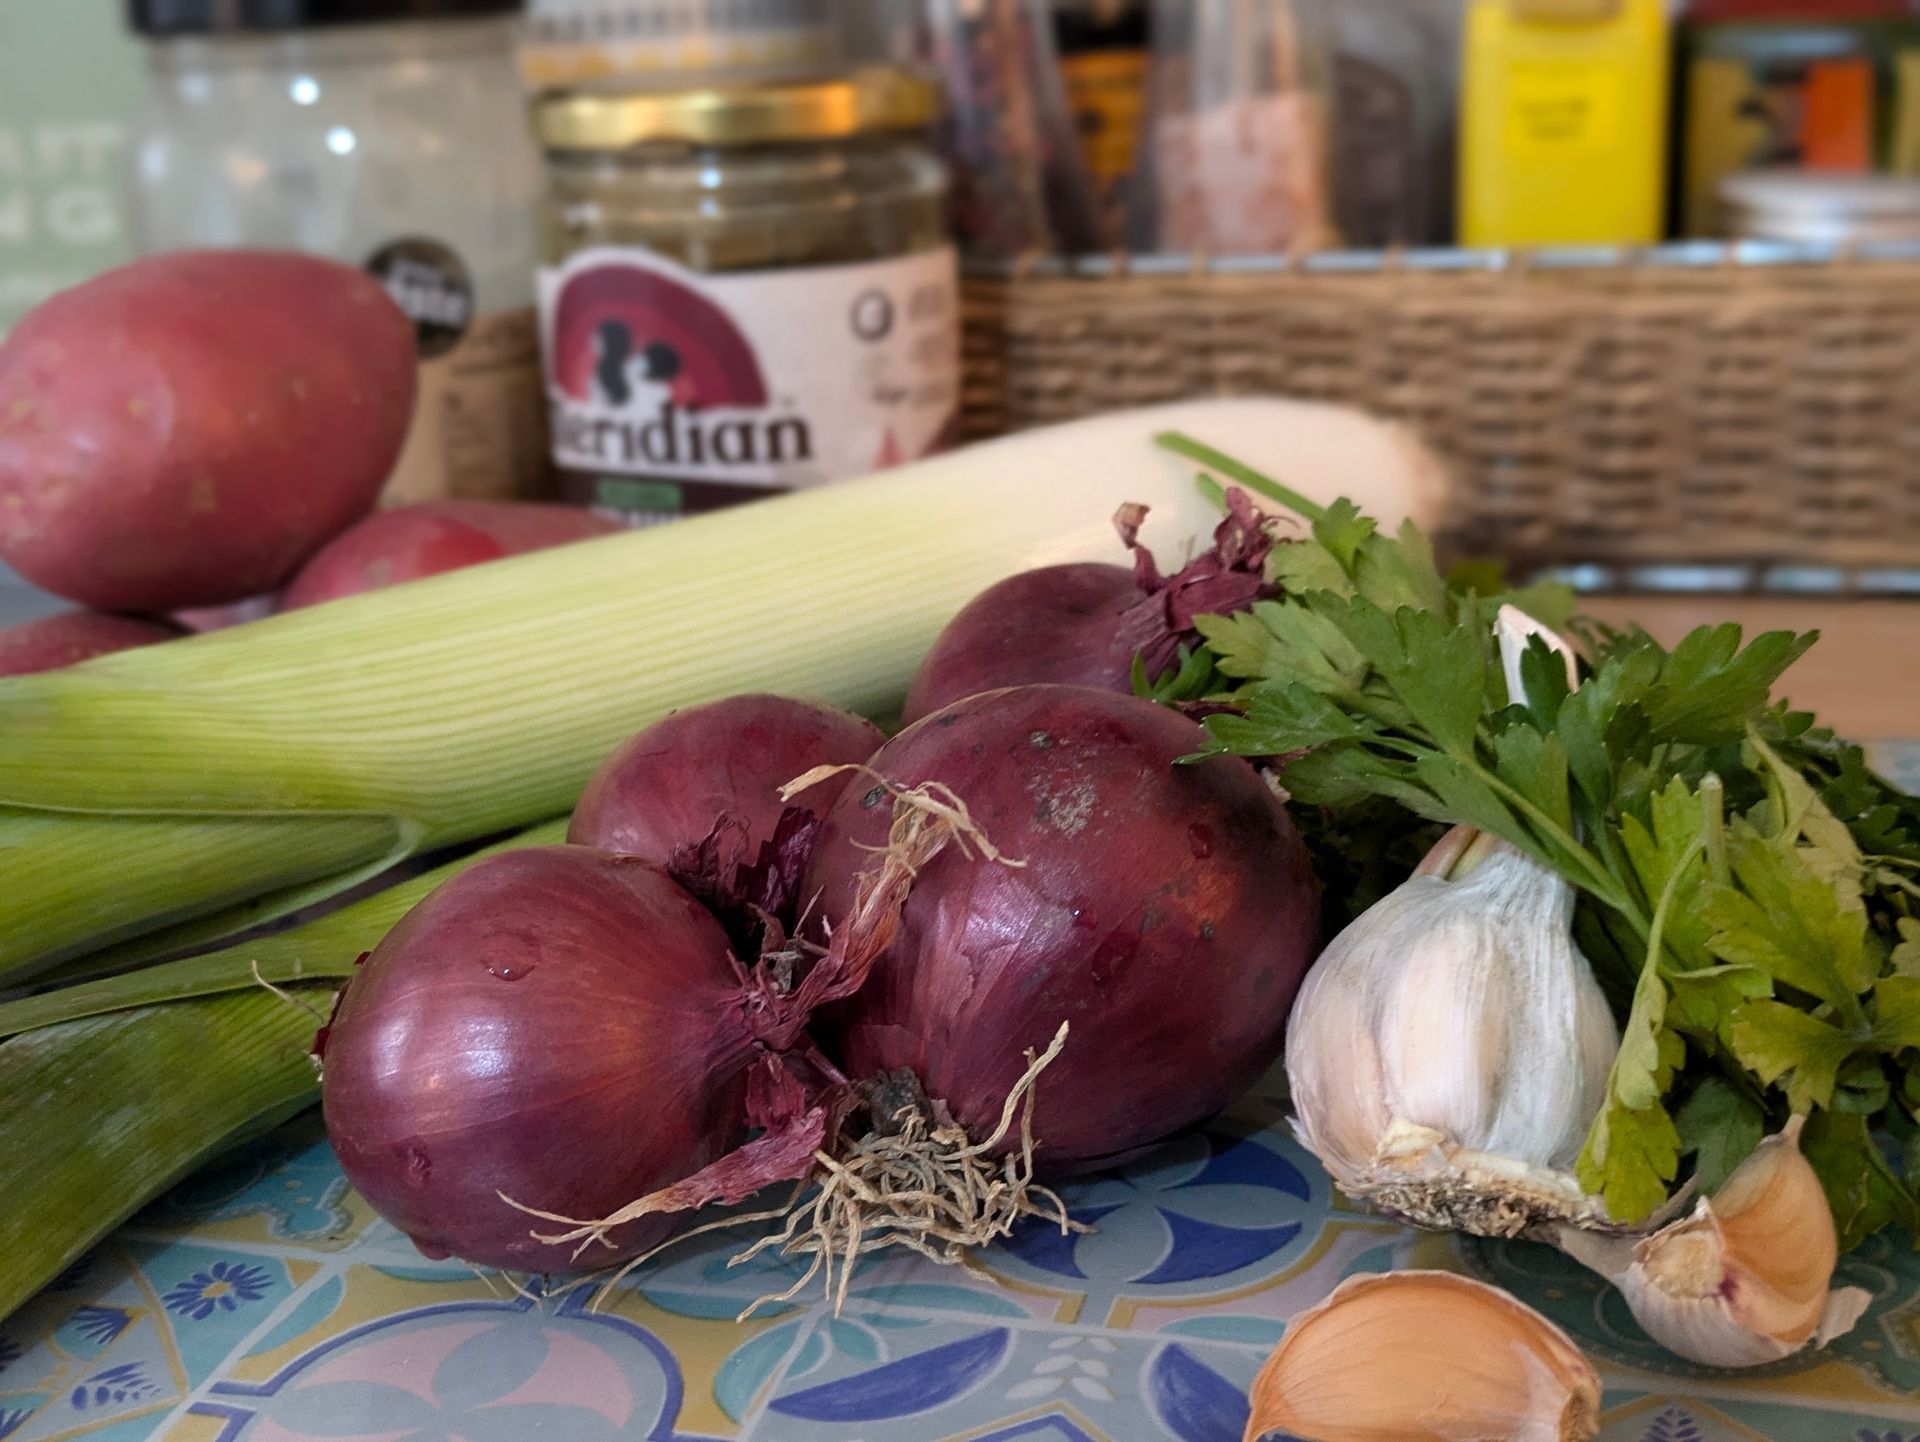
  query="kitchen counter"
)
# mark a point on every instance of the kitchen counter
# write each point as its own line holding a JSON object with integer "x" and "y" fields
{"x": 263, "y": 1301}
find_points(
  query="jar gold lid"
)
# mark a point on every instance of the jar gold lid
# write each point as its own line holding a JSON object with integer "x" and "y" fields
{"x": 615, "y": 115}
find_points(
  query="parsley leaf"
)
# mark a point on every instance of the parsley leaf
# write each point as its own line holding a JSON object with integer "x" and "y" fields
{"x": 1861, "y": 1186}
{"x": 1906, "y": 956}
{"x": 1633, "y": 1150}
{"x": 1776, "y": 1041}
{"x": 1896, "y": 1014}
{"x": 1719, "y": 1127}
{"x": 1710, "y": 688}
{"x": 1788, "y": 922}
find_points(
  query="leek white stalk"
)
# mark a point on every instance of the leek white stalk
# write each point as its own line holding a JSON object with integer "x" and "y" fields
{"x": 480, "y": 701}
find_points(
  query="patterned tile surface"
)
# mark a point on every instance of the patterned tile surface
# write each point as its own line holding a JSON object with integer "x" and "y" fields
{"x": 263, "y": 1302}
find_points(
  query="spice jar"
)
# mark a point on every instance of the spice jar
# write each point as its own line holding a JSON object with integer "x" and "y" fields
{"x": 1104, "y": 60}
{"x": 1563, "y": 131}
{"x": 1239, "y": 135}
{"x": 1393, "y": 133}
{"x": 1808, "y": 207}
{"x": 747, "y": 289}
{"x": 389, "y": 134}
{"x": 568, "y": 41}
{"x": 1824, "y": 85}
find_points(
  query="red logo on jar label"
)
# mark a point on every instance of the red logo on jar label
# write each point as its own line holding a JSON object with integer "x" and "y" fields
{"x": 648, "y": 374}
{"x": 623, "y": 335}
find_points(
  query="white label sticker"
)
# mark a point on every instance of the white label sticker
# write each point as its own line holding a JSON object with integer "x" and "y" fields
{"x": 766, "y": 379}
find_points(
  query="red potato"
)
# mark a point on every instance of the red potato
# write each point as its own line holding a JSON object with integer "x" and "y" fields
{"x": 187, "y": 430}
{"x": 670, "y": 786}
{"x": 54, "y": 642}
{"x": 416, "y": 541}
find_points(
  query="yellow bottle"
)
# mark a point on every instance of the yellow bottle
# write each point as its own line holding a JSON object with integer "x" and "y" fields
{"x": 1563, "y": 137}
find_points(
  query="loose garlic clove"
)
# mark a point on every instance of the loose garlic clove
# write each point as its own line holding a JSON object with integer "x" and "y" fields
{"x": 1744, "y": 1280}
{"x": 1425, "y": 1357}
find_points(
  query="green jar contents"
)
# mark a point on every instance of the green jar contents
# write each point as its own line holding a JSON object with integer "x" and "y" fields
{"x": 745, "y": 290}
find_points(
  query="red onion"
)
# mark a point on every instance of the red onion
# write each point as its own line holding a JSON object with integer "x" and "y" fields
{"x": 666, "y": 790}
{"x": 1085, "y": 625}
{"x": 1060, "y": 624}
{"x": 566, "y": 1032}
{"x": 1167, "y": 912}
{"x": 560, "y": 1025}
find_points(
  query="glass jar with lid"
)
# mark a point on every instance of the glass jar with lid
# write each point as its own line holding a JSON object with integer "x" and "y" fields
{"x": 389, "y": 134}
{"x": 747, "y": 288}
{"x": 568, "y": 41}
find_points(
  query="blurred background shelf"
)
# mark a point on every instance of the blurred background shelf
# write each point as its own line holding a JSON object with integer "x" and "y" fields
{"x": 1685, "y": 406}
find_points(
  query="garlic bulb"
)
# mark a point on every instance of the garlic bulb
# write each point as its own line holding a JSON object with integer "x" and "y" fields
{"x": 1449, "y": 1051}
{"x": 1424, "y": 1357}
{"x": 1451, "y": 1048}
{"x": 1744, "y": 1280}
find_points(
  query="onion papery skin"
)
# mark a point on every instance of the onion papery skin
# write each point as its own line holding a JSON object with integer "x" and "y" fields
{"x": 561, "y": 1025}
{"x": 1167, "y": 912}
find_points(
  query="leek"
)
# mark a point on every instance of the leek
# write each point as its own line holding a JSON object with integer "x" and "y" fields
{"x": 296, "y": 755}
{"x": 113, "y": 1091}
{"x": 326, "y": 948}
{"x": 99, "y": 1117}
{"x": 76, "y": 883}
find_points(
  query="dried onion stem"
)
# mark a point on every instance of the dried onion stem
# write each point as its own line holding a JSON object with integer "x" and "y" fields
{"x": 926, "y": 1186}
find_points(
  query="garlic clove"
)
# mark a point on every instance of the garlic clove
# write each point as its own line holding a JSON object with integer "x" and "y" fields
{"x": 1745, "y": 1280}
{"x": 1424, "y": 1357}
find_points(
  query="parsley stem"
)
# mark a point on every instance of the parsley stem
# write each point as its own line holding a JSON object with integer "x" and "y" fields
{"x": 1657, "y": 936}
{"x": 1612, "y": 856}
{"x": 1713, "y": 827}
{"x": 1598, "y": 879}
{"x": 1600, "y": 882}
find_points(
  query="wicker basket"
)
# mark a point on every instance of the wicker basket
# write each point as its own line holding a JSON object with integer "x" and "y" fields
{"x": 1625, "y": 414}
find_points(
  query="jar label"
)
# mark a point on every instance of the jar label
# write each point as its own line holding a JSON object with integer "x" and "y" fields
{"x": 479, "y": 430}
{"x": 672, "y": 392}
